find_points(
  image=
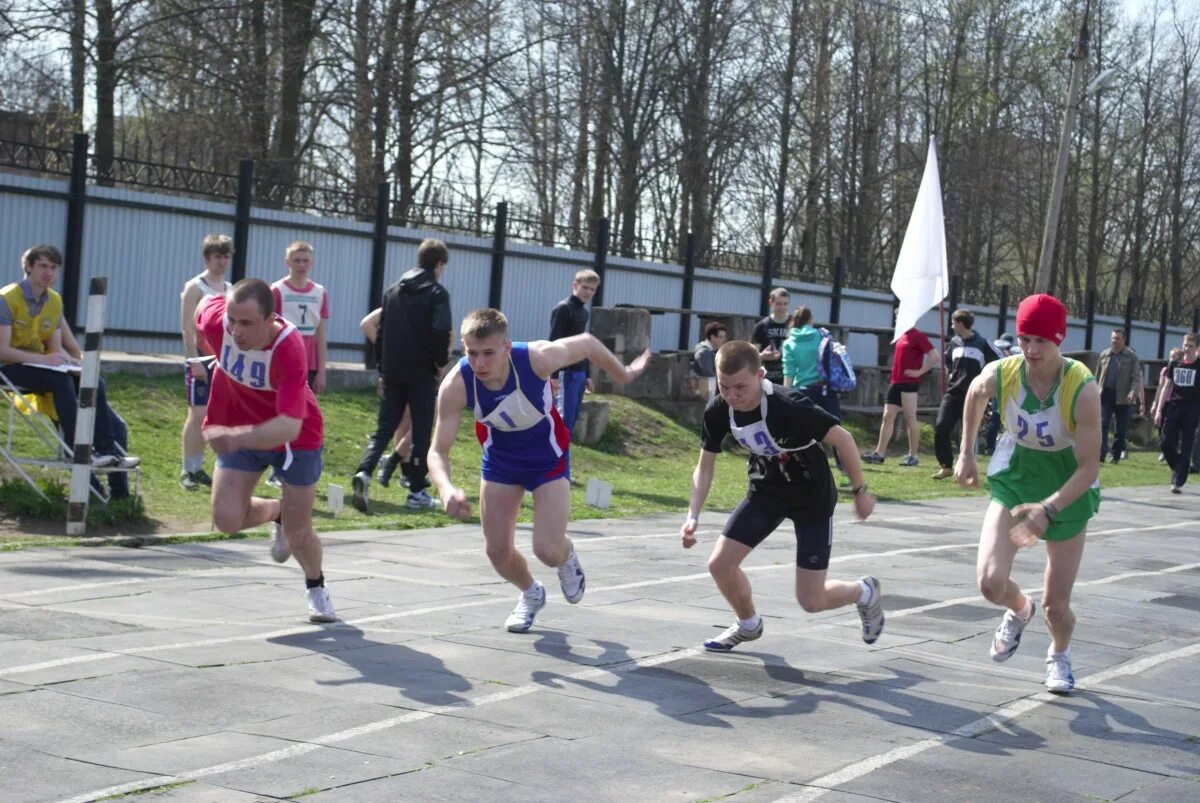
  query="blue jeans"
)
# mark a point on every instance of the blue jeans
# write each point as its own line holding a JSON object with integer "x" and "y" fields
{"x": 1123, "y": 413}
{"x": 571, "y": 385}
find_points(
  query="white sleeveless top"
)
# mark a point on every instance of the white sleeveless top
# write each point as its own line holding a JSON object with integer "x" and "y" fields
{"x": 207, "y": 289}
{"x": 302, "y": 308}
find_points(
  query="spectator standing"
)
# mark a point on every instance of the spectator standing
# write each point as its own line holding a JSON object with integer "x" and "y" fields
{"x": 1119, "y": 375}
{"x": 770, "y": 333}
{"x": 569, "y": 318}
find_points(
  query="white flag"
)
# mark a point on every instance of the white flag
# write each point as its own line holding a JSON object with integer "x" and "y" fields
{"x": 921, "y": 280}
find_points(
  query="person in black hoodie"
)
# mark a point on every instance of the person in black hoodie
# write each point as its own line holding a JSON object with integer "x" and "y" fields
{"x": 414, "y": 344}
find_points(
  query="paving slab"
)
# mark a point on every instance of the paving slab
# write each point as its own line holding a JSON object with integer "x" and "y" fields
{"x": 188, "y": 672}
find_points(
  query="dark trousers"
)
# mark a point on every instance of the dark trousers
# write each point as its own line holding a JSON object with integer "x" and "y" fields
{"x": 993, "y": 425}
{"x": 66, "y": 402}
{"x": 419, "y": 398}
{"x": 110, "y": 429}
{"x": 1108, "y": 410}
{"x": 949, "y": 416}
{"x": 829, "y": 401}
{"x": 1178, "y": 436}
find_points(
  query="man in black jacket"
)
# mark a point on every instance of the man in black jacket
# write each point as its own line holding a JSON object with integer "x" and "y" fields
{"x": 570, "y": 318}
{"x": 969, "y": 351}
{"x": 414, "y": 344}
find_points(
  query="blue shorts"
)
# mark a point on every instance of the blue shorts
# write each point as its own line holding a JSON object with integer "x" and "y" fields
{"x": 531, "y": 479}
{"x": 197, "y": 392}
{"x": 305, "y": 468}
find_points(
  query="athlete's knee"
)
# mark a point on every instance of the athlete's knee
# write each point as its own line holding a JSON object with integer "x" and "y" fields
{"x": 811, "y": 600}
{"x": 551, "y": 554}
{"x": 720, "y": 566}
{"x": 499, "y": 554}
{"x": 228, "y": 519}
{"x": 1056, "y": 610}
{"x": 992, "y": 585}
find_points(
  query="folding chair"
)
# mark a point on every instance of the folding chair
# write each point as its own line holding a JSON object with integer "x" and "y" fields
{"x": 37, "y": 411}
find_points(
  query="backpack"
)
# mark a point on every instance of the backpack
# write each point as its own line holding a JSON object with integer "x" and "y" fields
{"x": 834, "y": 366}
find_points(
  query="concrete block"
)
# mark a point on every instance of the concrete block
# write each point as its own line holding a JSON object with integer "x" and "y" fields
{"x": 591, "y": 422}
{"x": 623, "y": 329}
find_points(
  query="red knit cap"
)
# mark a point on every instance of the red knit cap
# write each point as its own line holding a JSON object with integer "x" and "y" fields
{"x": 1042, "y": 316}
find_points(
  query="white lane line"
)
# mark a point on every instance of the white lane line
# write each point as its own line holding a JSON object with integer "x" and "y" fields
{"x": 303, "y": 748}
{"x": 491, "y": 600}
{"x": 852, "y": 772}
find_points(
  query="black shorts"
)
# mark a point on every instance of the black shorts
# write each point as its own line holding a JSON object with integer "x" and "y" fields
{"x": 756, "y": 518}
{"x": 896, "y": 388}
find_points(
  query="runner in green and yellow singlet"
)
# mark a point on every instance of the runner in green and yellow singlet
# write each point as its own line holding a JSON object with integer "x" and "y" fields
{"x": 1043, "y": 478}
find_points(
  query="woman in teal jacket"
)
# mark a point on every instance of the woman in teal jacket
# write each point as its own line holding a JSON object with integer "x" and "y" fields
{"x": 800, "y": 352}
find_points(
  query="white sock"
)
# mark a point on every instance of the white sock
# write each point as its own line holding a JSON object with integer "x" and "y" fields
{"x": 866, "y": 594}
{"x": 193, "y": 464}
{"x": 1050, "y": 653}
{"x": 534, "y": 591}
{"x": 1025, "y": 613}
{"x": 750, "y": 624}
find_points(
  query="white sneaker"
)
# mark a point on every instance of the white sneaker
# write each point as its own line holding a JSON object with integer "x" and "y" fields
{"x": 359, "y": 484}
{"x": 421, "y": 500}
{"x": 275, "y": 481}
{"x": 320, "y": 606}
{"x": 521, "y": 619}
{"x": 733, "y": 635}
{"x": 280, "y": 551}
{"x": 1059, "y": 679}
{"x": 871, "y": 614}
{"x": 572, "y": 578}
{"x": 1008, "y": 634}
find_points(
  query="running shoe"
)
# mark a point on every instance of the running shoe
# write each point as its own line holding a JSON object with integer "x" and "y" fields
{"x": 320, "y": 607}
{"x": 188, "y": 480}
{"x": 275, "y": 481}
{"x": 421, "y": 500}
{"x": 1059, "y": 678}
{"x": 280, "y": 551}
{"x": 202, "y": 477}
{"x": 873, "y": 457}
{"x": 1175, "y": 489}
{"x": 572, "y": 579}
{"x": 359, "y": 483}
{"x": 909, "y": 460}
{"x": 1008, "y": 635}
{"x": 942, "y": 473}
{"x": 388, "y": 469}
{"x": 521, "y": 619}
{"x": 734, "y": 635}
{"x": 872, "y": 612}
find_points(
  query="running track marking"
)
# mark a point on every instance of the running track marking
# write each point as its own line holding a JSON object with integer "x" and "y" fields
{"x": 852, "y": 772}
{"x": 102, "y": 656}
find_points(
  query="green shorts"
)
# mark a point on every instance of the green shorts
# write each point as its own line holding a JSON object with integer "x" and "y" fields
{"x": 1023, "y": 476}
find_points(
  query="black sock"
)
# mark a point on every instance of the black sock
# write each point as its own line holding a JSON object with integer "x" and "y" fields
{"x": 318, "y": 583}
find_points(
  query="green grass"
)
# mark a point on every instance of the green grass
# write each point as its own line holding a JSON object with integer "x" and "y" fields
{"x": 647, "y": 456}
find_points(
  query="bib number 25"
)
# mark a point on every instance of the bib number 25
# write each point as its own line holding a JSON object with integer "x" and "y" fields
{"x": 1045, "y": 440}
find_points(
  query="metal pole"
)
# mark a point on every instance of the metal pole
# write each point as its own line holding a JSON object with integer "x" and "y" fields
{"x": 499, "y": 238}
{"x": 1091, "y": 320}
{"x": 835, "y": 303}
{"x": 1079, "y": 62}
{"x": 73, "y": 250}
{"x": 85, "y": 419}
{"x": 1128, "y": 318}
{"x": 1002, "y": 319}
{"x": 1162, "y": 330}
{"x": 689, "y": 281}
{"x": 378, "y": 259}
{"x": 768, "y": 256}
{"x": 600, "y": 262}
{"x": 241, "y": 224}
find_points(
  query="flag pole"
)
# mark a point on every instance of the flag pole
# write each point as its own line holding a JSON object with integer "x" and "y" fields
{"x": 942, "y": 337}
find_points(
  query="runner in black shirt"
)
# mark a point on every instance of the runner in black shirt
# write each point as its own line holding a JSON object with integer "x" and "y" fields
{"x": 789, "y": 479}
{"x": 1181, "y": 415}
